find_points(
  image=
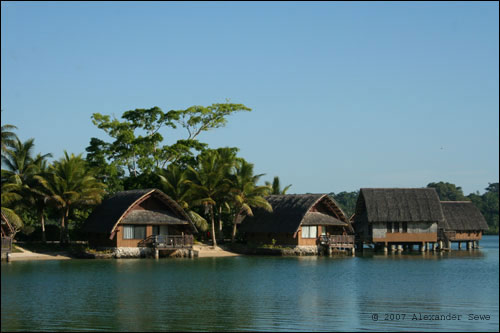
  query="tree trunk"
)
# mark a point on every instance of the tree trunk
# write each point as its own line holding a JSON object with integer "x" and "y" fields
{"x": 219, "y": 234}
{"x": 233, "y": 235}
{"x": 42, "y": 222}
{"x": 214, "y": 241}
{"x": 66, "y": 230}
{"x": 61, "y": 231}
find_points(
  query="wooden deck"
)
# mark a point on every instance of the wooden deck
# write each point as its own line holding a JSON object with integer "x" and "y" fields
{"x": 165, "y": 242}
{"x": 338, "y": 241}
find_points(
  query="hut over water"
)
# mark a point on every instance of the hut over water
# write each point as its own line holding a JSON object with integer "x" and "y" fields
{"x": 398, "y": 216}
{"x": 296, "y": 220}
{"x": 463, "y": 223}
{"x": 140, "y": 219}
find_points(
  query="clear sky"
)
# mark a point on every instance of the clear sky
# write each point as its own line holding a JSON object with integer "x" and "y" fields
{"x": 344, "y": 95}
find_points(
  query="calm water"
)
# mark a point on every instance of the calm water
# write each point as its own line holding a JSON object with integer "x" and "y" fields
{"x": 255, "y": 293}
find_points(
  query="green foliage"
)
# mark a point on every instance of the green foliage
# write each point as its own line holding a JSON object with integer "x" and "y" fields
{"x": 448, "y": 191}
{"x": 69, "y": 184}
{"x": 137, "y": 143}
{"x": 276, "y": 187}
{"x": 487, "y": 203}
{"x": 347, "y": 201}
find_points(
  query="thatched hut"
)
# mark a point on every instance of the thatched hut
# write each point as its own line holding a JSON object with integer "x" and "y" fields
{"x": 7, "y": 235}
{"x": 463, "y": 223}
{"x": 137, "y": 220}
{"x": 398, "y": 216}
{"x": 297, "y": 220}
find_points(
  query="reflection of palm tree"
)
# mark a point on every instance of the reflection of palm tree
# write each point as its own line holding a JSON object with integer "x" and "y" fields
{"x": 246, "y": 194}
{"x": 208, "y": 182}
{"x": 173, "y": 183}
{"x": 276, "y": 188}
{"x": 71, "y": 185}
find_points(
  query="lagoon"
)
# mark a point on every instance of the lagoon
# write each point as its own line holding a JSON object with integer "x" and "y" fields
{"x": 369, "y": 292}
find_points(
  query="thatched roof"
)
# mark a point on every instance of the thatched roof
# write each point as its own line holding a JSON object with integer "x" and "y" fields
{"x": 462, "y": 216}
{"x": 116, "y": 209}
{"x": 316, "y": 218}
{"x": 152, "y": 217}
{"x": 399, "y": 205}
{"x": 292, "y": 210}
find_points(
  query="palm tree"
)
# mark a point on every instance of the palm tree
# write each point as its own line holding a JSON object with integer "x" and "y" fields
{"x": 208, "y": 182}
{"x": 173, "y": 183}
{"x": 10, "y": 199}
{"x": 19, "y": 177}
{"x": 276, "y": 188}
{"x": 8, "y": 137}
{"x": 70, "y": 185}
{"x": 246, "y": 194}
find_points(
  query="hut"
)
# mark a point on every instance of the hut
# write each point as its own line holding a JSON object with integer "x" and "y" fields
{"x": 463, "y": 223}
{"x": 398, "y": 217}
{"x": 140, "y": 222}
{"x": 7, "y": 235}
{"x": 307, "y": 222}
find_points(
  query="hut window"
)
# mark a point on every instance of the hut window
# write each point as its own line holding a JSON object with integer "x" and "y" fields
{"x": 396, "y": 226}
{"x": 405, "y": 226}
{"x": 309, "y": 231}
{"x": 134, "y": 232}
{"x": 389, "y": 227}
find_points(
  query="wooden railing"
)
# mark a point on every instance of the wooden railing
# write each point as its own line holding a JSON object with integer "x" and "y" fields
{"x": 168, "y": 241}
{"x": 6, "y": 244}
{"x": 337, "y": 240}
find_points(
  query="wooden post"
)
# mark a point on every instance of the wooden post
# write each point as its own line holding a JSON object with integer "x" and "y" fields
{"x": 421, "y": 247}
{"x": 440, "y": 245}
{"x": 157, "y": 254}
{"x": 393, "y": 248}
{"x": 459, "y": 245}
{"x": 468, "y": 245}
{"x": 385, "y": 247}
{"x": 400, "y": 248}
{"x": 448, "y": 245}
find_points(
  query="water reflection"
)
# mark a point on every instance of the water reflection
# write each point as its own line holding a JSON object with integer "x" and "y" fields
{"x": 253, "y": 293}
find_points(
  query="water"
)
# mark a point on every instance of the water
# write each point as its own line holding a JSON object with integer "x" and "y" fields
{"x": 254, "y": 293}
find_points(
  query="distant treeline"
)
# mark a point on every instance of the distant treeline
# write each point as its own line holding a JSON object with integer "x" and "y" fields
{"x": 486, "y": 202}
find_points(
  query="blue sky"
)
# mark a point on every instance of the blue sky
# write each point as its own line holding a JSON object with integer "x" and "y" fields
{"x": 344, "y": 95}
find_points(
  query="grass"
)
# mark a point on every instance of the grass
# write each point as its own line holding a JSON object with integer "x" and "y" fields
{"x": 15, "y": 249}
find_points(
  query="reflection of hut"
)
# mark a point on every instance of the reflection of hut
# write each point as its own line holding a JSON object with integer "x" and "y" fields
{"x": 398, "y": 216}
{"x": 299, "y": 220}
{"x": 7, "y": 235}
{"x": 463, "y": 223}
{"x": 137, "y": 220}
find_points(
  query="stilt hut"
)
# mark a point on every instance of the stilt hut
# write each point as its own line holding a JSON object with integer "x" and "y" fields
{"x": 463, "y": 223}
{"x": 140, "y": 222}
{"x": 393, "y": 218}
{"x": 299, "y": 220}
{"x": 7, "y": 235}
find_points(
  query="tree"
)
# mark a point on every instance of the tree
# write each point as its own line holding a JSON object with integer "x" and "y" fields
{"x": 448, "y": 191}
{"x": 20, "y": 177}
{"x": 276, "y": 188}
{"x": 347, "y": 201}
{"x": 71, "y": 185}
{"x": 137, "y": 139}
{"x": 208, "y": 182}
{"x": 246, "y": 194}
{"x": 8, "y": 137}
{"x": 173, "y": 183}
